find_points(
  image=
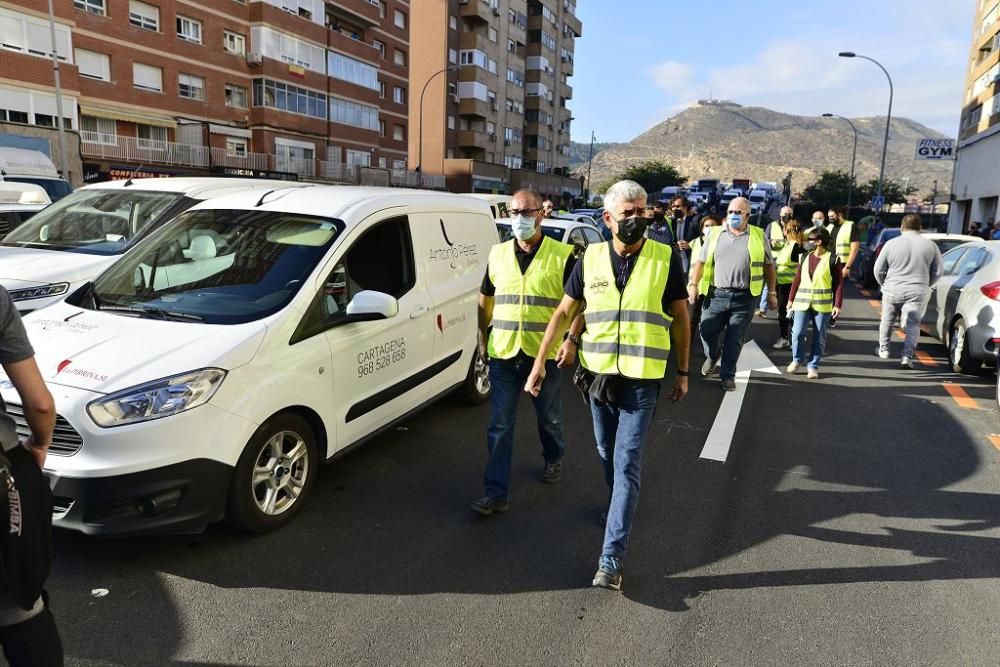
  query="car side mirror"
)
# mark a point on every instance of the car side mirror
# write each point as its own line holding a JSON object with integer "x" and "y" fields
{"x": 368, "y": 305}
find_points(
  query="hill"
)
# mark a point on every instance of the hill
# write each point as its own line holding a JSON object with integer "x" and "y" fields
{"x": 726, "y": 140}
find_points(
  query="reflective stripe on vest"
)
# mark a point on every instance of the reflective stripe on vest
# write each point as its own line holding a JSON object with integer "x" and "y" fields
{"x": 843, "y": 246}
{"x": 755, "y": 244}
{"x": 815, "y": 291}
{"x": 627, "y": 332}
{"x": 785, "y": 265}
{"x": 524, "y": 303}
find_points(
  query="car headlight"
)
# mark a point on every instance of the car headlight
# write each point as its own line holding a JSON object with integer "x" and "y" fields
{"x": 55, "y": 289}
{"x": 160, "y": 398}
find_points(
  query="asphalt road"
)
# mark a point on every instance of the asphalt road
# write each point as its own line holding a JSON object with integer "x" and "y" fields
{"x": 856, "y": 522}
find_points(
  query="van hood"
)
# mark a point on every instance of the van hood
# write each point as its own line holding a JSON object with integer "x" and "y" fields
{"x": 32, "y": 267}
{"x": 105, "y": 352}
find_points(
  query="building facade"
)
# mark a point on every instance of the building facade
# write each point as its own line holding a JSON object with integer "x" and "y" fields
{"x": 493, "y": 76}
{"x": 976, "y": 185}
{"x": 288, "y": 88}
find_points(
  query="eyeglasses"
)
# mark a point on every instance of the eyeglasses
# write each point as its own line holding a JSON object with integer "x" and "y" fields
{"x": 523, "y": 211}
{"x": 731, "y": 212}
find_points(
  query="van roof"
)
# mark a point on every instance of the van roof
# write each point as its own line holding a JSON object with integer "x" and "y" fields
{"x": 27, "y": 194}
{"x": 197, "y": 187}
{"x": 26, "y": 162}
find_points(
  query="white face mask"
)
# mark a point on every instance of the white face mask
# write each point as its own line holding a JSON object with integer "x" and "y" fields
{"x": 523, "y": 227}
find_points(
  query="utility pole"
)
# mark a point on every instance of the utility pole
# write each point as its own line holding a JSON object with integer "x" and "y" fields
{"x": 933, "y": 204}
{"x": 590, "y": 162}
{"x": 59, "y": 108}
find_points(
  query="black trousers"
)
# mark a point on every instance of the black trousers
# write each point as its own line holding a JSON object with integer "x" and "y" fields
{"x": 784, "y": 291}
{"x": 33, "y": 643}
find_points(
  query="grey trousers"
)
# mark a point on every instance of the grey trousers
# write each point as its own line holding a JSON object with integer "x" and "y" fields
{"x": 909, "y": 308}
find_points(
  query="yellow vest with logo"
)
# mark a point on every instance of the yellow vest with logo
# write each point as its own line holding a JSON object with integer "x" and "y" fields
{"x": 627, "y": 332}
{"x": 785, "y": 265}
{"x": 815, "y": 291}
{"x": 755, "y": 244}
{"x": 524, "y": 303}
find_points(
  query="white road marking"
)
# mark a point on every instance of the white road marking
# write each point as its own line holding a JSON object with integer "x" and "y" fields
{"x": 720, "y": 438}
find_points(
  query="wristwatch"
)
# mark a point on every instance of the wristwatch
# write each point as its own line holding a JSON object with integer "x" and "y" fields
{"x": 573, "y": 338}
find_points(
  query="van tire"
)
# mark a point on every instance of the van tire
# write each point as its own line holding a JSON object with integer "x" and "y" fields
{"x": 283, "y": 433}
{"x": 958, "y": 350}
{"x": 475, "y": 390}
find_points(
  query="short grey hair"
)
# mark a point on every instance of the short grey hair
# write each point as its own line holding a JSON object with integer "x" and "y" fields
{"x": 623, "y": 191}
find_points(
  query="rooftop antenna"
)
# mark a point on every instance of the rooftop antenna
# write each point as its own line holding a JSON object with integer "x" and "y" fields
{"x": 128, "y": 182}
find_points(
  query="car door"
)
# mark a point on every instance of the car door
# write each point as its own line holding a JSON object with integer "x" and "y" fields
{"x": 964, "y": 296}
{"x": 950, "y": 294}
{"x": 934, "y": 316}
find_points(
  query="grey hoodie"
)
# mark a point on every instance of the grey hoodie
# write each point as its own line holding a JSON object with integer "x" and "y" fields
{"x": 908, "y": 263}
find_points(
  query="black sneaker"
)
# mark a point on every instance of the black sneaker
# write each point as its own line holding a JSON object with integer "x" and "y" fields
{"x": 552, "y": 472}
{"x": 488, "y": 505}
{"x": 609, "y": 573}
{"x": 729, "y": 384}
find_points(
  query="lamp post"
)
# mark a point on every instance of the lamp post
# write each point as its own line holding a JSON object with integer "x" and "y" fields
{"x": 59, "y": 107}
{"x": 590, "y": 162}
{"x": 854, "y": 156}
{"x": 420, "y": 121}
{"x": 888, "y": 117}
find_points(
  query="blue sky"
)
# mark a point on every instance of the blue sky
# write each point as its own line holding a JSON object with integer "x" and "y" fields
{"x": 641, "y": 61}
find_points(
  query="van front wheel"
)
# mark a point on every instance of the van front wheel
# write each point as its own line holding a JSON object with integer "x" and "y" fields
{"x": 476, "y": 388}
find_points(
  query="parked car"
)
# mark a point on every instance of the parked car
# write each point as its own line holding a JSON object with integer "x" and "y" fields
{"x": 576, "y": 233}
{"x": 72, "y": 241}
{"x": 946, "y": 242}
{"x": 575, "y": 217}
{"x": 499, "y": 204}
{"x": 210, "y": 371}
{"x": 964, "y": 308}
{"x": 865, "y": 263}
{"x": 18, "y": 202}
{"x": 758, "y": 202}
{"x": 728, "y": 196}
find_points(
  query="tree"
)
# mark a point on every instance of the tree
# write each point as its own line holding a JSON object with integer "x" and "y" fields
{"x": 830, "y": 190}
{"x": 893, "y": 192}
{"x": 653, "y": 175}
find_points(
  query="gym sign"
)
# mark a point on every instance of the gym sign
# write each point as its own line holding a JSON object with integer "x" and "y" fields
{"x": 936, "y": 149}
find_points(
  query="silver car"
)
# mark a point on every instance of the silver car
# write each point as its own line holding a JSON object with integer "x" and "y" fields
{"x": 964, "y": 308}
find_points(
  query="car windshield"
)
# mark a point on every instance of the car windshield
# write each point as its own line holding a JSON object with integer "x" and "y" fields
{"x": 55, "y": 187}
{"x": 97, "y": 222}
{"x": 217, "y": 266}
{"x": 944, "y": 245}
{"x": 556, "y": 233}
{"x": 889, "y": 234}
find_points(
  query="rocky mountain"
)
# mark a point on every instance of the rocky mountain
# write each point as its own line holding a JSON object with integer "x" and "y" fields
{"x": 727, "y": 140}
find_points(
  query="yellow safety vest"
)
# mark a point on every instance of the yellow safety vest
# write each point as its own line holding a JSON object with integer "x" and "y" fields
{"x": 755, "y": 244}
{"x": 627, "y": 332}
{"x": 785, "y": 265}
{"x": 524, "y": 303}
{"x": 842, "y": 240}
{"x": 695, "y": 248}
{"x": 776, "y": 235}
{"x": 815, "y": 291}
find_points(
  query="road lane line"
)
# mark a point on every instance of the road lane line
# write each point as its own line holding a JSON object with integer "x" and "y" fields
{"x": 926, "y": 359}
{"x": 960, "y": 396}
{"x": 995, "y": 440}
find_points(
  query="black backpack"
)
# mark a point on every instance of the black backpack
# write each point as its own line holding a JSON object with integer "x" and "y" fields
{"x": 25, "y": 527}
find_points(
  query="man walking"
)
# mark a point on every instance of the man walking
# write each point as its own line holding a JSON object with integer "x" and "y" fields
{"x": 845, "y": 236}
{"x": 632, "y": 287}
{"x": 523, "y": 285}
{"x": 775, "y": 233}
{"x": 660, "y": 228}
{"x": 731, "y": 270}
{"x": 907, "y": 268}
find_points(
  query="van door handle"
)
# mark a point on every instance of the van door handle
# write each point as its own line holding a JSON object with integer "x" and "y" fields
{"x": 419, "y": 311}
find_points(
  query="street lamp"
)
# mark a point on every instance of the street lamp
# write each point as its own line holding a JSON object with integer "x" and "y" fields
{"x": 59, "y": 107}
{"x": 854, "y": 155}
{"x": 888, "y": 117}
{"x": 420, "y": 121}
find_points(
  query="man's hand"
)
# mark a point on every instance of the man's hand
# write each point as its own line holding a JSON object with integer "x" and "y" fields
{"x": 38, "y": 452}
{"x": 566, "y": 356}
{"x": 836, "y": 312}
{"x": 534, "y": 384}
{"x": 683, "y": 245}
{"x": 692, "y": 294}
{"x": 772, "y": 300}
{"x": 680, "y": 389}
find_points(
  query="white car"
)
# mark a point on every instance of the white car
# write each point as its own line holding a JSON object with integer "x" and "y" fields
{"x": 578, "y": 234}
{"x": 212, "y": 369}
{"x": 72, "y": 241}
{"x": 18, "y": 202}
{"x": 758, "y": 202}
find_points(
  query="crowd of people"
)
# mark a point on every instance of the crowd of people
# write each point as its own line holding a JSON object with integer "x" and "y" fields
{"x": 627, "y": 306}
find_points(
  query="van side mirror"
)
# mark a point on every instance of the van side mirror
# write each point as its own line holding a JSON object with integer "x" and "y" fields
{"x": 368, "y": 305}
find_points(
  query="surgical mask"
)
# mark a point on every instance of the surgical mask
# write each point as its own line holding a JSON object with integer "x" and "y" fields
{"x": 706, "y": 230}
{"x": 735, "y": 220}
{"x": 630, "y": 230}
{"x": 523, "y": 227}
{"x": 810, "y": 245}
{"x": 785, "y": 218}
{"x": 817, "y": 222}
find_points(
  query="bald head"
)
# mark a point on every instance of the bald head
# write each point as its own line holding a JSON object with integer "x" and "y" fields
{"x": 786, "y": 212}
{"x": 741, "y": 205}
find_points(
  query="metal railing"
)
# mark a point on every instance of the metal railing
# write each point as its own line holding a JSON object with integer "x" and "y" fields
{"x": 143, "y": 151}
{"x": 222, "y": 158}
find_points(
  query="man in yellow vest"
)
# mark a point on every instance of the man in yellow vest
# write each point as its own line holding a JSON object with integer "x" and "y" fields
{"x": 730, "y": 272}
{"x": 775, "y": 233}
{"x": 523, "y": 285}
{"x": 633, "y": 288}
{"x": 845, "y": 237}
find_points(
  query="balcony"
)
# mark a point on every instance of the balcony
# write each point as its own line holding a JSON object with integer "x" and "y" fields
{"x": 473, "y": 40}
{"x": 142, "y": 151}
{"x": 566, "y": 91}
{"x": 474, "y": 140}
{"x": 573, "y": 23}
{"x": 222, "y": 158}
{"x": 480, "y": 11}
{"x": 476, "y": 73}
{"x": 471, "y": 106}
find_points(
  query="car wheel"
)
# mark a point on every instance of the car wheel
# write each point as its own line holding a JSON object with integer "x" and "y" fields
{"x": 958, "y": 350}
{"x": 476, "y": 388}
{"x": 274, "y": 475}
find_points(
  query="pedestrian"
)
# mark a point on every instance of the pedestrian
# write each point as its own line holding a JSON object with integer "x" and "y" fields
{"x": 707, "y": 222}
{"x": 818, "y": 220}
{"x": 547, "y": 208}
{"x": 786, "y": 265}
{"x": 907, "y": 268}
{"x": 660, "y": 228}
{"x": 844, "y": 236}
{"x": 817, "y": 295}
{"x": 27, "y": 628}
{"x": 775, "y": 233}
{"x": 731, "y": 270}
{"x": 685, "y": 227}
{"x": 974, "y": 230}
{"x": 632, "y": 287}
{"x": 523, "y": 285}
{"x": 995, "y": 235}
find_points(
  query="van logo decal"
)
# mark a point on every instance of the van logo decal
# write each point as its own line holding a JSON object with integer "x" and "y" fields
{"x": 62, "y": 366}
{"x": 444, "y": 233}
{"x": 453, "y": 251}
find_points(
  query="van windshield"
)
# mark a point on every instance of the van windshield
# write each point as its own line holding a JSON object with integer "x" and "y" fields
{"x": 216, "y": 266}
{"x": 97, "y": 222}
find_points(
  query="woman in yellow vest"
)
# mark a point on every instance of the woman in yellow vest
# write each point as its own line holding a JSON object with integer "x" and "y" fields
{"x": 786, "y": 263}
{"x": 817, "y": 294}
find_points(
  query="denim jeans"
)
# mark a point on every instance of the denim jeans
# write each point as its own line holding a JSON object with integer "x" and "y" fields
{"x": 909, "y": 307}
{"x": 725, "y": 318}
{"x": 620, "y": 431}
{"x": 763, "y": 299}
{"x": 800, "y": 327}
{"x": 507, "y": 378}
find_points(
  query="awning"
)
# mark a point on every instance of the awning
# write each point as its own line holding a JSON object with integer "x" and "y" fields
{"x": 115, "y": 114}
{"x": 229, "y": 131}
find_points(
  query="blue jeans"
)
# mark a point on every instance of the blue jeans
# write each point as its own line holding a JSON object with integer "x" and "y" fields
{"x": 507, "y": 378}
{"x": 763, "y": 299}
{"x": 725, "y": 318}
{"x": 800, "y": 327}
{"x": 620, "y": 431}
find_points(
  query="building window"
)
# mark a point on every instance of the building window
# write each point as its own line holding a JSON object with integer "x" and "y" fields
{"x": 147, "y": 77}
{"x": 287, "y": 48}
{"x": 381, "y": 128}
{"x": 453, "y": 56}
{"x": 493, "y": 34}
{"x": 381, "y": 7}
{"x": 295, "y": 156}
{"x": 152, "y": 137}
{"x": 99, "y": 130}
{"x": 236, "y": 147}
{"x": 382, "y": 163}
{"x": 398, "y": 133}
{"x": 143, "y": 16}
{"x": 93, "y": 65}
{"x": 453, "y": 22}
{"x": 353, "y": 71}
{"x": 399, "y": 165}
{"x": 399, "y": 95}
{"x": 236, "y": 96}
{"x": 380, "y": 47}
{"x": 234, "y": 43}
{"x": 20, "y": 32}
{"x": 511, "y": 46}
{"x": 278, "y": 95}
{"x": 190, "y": 86}
{"x": 353, "y": 113}
{"x": 358, "y": 158}
{"x": 399, "y": 57}
{"x": 451, "y": 122}
{"x": 92, "y": 6}
{"x": 399, "y": 18}
{"x": 189, "y": 29}
{"x": 381, "y": 89}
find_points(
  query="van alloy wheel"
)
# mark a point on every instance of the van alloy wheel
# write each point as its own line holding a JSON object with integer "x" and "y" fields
{"x": 280, "y": 473}
{"x": 482, "y": 375}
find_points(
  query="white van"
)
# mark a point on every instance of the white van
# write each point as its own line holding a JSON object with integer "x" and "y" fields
{"x": 74, "y": 240}
{"x": 499, "y": 204}
{"x": 23, "y": 165}
{"x": 211, "y": 369}
{"x": 18, "y": 202}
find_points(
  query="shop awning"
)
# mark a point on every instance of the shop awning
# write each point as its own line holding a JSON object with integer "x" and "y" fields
{"x": 115, "y": 114}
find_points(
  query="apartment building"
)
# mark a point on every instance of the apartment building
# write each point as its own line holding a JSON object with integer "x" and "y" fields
{"x": 286, "y": 88}
{"x": 494, "y": 75}
{"x": 976, "y": 184}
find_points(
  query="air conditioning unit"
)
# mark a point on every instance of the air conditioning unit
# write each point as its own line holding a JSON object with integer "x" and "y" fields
{"x": 496, "y": 11}
{"x": 560, "y": 130}
{"x": 565, "y": 59}
{"x": 493, "y": 136}
{"x": 550, "y": 125}
{"x": 454, "y": 98}
{"x": 494, "y": 106}
{"x": 254, "y": 58}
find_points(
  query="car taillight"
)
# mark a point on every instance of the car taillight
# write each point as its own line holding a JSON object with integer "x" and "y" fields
{"x": 991, "y": 290}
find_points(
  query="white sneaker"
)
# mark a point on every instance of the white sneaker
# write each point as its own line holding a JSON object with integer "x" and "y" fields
{"x": 792, "y": 368}
{"x": 709, "y": 367}
{"x": 781, "y": 344}
{"x": 906, "y": 363}
{"x": 813, "y": 374}
{"x": 882, "y": 354}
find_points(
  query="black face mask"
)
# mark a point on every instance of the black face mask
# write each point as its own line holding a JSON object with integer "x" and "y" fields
{"x": 811, "y": 245}
{"x": 658, "y": 217}
{"x": 784, "y": 218}
{"x": 630, "y": 230}
{"x": 678, "y": 214}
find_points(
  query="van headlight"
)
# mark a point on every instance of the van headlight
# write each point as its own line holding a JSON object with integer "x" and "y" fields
{"x": 160, "y": 398}
{"x": 55, "y": 289}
